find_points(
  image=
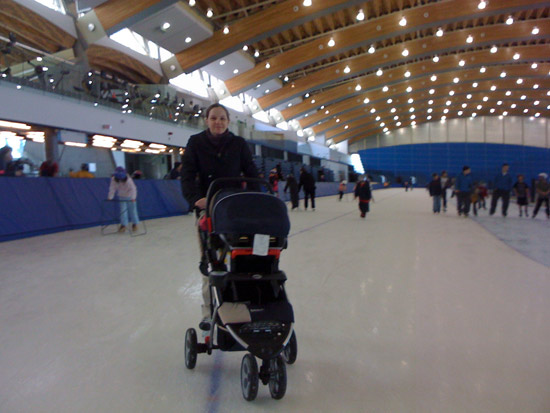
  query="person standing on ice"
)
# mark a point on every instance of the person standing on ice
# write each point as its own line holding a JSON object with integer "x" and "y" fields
{"x": 212, "y": 154}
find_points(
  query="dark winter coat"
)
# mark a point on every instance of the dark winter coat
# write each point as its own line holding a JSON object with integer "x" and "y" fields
{"x": 362, "y": 190}
{"x": 307, "y": 182}
{"x": 435, "y": 187}
{"x": 292, "y": 185}
{"x": 203, "y": 161}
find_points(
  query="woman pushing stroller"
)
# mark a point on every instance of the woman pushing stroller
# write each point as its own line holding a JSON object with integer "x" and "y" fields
{"x": 211, "y": 154}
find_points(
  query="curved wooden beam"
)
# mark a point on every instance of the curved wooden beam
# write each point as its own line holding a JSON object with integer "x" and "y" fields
{"x": 418, "y": 49}
{"x": 113, "y": 12}
{"x": 257, "y": 27}
{"x": 378, "y": 95}
{"x": 370, "y": 32}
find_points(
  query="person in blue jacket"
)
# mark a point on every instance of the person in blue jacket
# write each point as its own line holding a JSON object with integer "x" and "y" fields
{"x": 501, "y": 188}
{"x": 463, "y": 189}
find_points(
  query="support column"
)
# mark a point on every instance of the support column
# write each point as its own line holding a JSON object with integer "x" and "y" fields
{"x": 50, "y": 144}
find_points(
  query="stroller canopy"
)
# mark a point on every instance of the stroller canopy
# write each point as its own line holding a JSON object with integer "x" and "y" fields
{"x": 250, "y": 213}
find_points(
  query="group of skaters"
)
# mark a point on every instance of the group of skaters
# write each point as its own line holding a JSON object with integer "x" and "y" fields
{"x": 469, "y": 193}
{"x": 294, "y": 186}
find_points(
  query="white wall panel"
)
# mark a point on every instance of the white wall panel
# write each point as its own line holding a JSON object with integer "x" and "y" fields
{"x": 456, "y": 129}
{"x": 534, "y": 132}
{"x": 403, "y": 136}
{"x": 513, "y": 130}
{"x": 475, "y": 129}
{"x": 494, "y": 129}
{"x": 387, "y": 140}
{"x": 420, "y": 133}
{"x": 438, "y": 132}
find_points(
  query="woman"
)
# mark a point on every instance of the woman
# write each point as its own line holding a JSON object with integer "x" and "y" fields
{"x": 211, "y": 154}
{"x": 126, "y": 190}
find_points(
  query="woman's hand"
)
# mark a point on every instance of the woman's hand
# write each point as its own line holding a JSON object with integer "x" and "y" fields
{"x": 201, "y": 203}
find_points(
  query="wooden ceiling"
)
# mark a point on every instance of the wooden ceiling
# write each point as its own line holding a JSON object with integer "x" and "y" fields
{"x": 356, "y": 77}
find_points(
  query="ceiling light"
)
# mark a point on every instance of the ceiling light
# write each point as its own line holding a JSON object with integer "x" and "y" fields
{"x": 481, "y": 5}
{"x": 535, "y": 30}
{"x": 393, "y": 110}
{"x": 433, "y": 78}
{"x": 382, "y": 124}
{"x": 485, "y": 98}
{"x": 347, "y": 126}
{"x": 499, "y": 102}
{"x": 165, "y": 26}
{"x": 430, "y": 102}
{"x": 385, "y": 89}
{"x": 474, "y": 115}
{"x": 403, "y": 22}
{"x": 474, "y": 84}
{"x": 360, "y": 15}
{"x": 519, "y": 81}
{"x": 493, "y": 88}
{"x": 537, "y": 115}
{"x": 266, "y": 91}
{"x": 460, "y": 113}
{"x": 338, "y": 120}
{"x": 358, "y": 88}
{"x": 461, "y": 63}
{"x": 503, "y": 74}
{"x": 494, "y": 49}
{"x": 411, "y": 110}
{"x": 372, "y": 50}
{"x": 451, "y": 93}
{"x": 411, "y": 100}
{"x": 479, "y": 107}
{"x": 429, "y": 117}
{"x": 413, "y": 116}
{"x": 469, "y": 39}
{"x": 469, "y": 96}
{"x": 439, "y": 32}
{"x": 385, "y": 129}
{"x": 312, "y": 101}
{"x": 192, "y": 3}
{"x": 307, "y": 3}
{"x": 226, "y": 29}
{"x": 523, "y": 97}
{"x": 222, "y": 62}
{"x": 379, "y": 72}
{"x": 536, "y": 102}
{"x": 347, "y": 69}
{"x": 456, "y": 80}
{"x": 331, "y": 42}
{"x": 409, "y": 89}
{"x": 327, "y": 112}
{"x": 398, "y": 124}
{"x": 445, "y": 110}
{"x": 372, "y": 110}
{"x": 443, "y": 118}
{"x": 267, "y": 65}
{"x": 430, "y": 110}
{"x": 235, "y": 71}
{"x": 432, "y": 91}
{"x": 366, "y": 100}
{"x": 482, "y": 69}
{"x": 395, "y": 117}
{"x": 286, "y": 79}
{"x": 405, "y": 52}
{"x": 188, "y": 39}
{"x": 504, "y": 113}
{"x": 534, "y": 66}
{"x": 389, "y": 101}
{"x": 257, "y": 53}
{"x": 464, "y": 105}
{"x": 509, "y": 20}
{"x": 435, "y": 59}
{"x": 535, "y": 86}
{"x": 448, "y": 103}
{"x": 516, "y": 56}
{"x": 209, "y": 13}
{"x": 407, "y": 74}
{"x": 513, "y": 105}
{"x": 377, "y": 118}
{"x": 525, "y": 110}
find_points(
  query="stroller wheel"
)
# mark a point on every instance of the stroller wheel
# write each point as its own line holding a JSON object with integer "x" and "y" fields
{"x": 249, "y": 377}
{"x": 190, "y": 348}
{"x": 291, "y": 350}
{"x": 277, "y": 379}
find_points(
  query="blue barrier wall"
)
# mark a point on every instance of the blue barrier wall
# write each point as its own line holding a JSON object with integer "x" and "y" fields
{"x": 485, "y": 159}
{"x": 34, "y": 206}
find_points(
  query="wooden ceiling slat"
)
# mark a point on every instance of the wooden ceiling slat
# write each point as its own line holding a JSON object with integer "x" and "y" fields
{"x": 114, "y": 12}
{"x": 355, "y": 35}
{"x": 393, "y": 53}
{"x": 269, "y": 20}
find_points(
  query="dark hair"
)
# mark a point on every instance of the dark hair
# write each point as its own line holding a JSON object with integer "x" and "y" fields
{"x": 505, "y": 164}
{"x": 434, "y": 174}
{"x": 216, "y": 105}
{"x": 84, "y": 167}
{"x": 465, "y": 167}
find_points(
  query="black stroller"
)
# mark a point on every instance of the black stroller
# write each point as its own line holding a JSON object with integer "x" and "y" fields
{"x": 246, "y": 232}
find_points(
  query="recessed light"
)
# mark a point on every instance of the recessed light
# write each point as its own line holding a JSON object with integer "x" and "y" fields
{"x": 188, "y": 39}
{"x": 469, "y": 39}
{"x": 209, "y": 13}
{"x": 494, "y": 49}
{"x": 385, "y": 89}
{"x": 379, "y": 72}
{"x": 535, "y": 30}
{"x": 433, "y": 78}
{"x": 403, "y": 22}
{"x": 439, "y": 32}
{"x": 509, "y": 20}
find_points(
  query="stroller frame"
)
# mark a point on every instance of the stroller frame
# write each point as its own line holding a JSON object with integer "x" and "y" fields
{"x": 273, "y": 341}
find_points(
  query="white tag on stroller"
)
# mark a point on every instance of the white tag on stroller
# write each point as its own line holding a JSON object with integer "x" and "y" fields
{"x": 261, "y": 244}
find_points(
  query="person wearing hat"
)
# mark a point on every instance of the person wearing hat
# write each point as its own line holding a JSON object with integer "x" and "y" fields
{"x": 543, "y": 192}
{"x": 125, "y": 188}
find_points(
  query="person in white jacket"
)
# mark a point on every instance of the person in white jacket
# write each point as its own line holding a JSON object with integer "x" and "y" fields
{"x": 125, "y": 188}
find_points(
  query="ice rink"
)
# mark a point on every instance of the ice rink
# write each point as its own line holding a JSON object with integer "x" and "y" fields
{"x": 405, "y": 311}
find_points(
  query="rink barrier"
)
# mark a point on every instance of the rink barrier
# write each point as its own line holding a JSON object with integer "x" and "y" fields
{"x": 37, "y": 206}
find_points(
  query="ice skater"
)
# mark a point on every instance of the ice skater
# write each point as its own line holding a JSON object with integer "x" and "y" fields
{"x": 502, "y": 186}
{"x": 435, "y": 192}
{"x": 364, "y": 193}
{"x": 292, "y": 186}
{"x": 543, "y": 192}
{"x": 125, "y": 188}
{"x": 463, "y": 190}
{"x": 521, "y": 189}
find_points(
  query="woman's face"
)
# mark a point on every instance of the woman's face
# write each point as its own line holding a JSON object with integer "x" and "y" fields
{"x": 217, "y": 121}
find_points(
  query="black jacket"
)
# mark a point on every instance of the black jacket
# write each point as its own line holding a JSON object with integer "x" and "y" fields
{"x": 435, "y": 187}
{"x": 307, "y": 181}
{"x": 203, "y": 161}
{"x": 362, "y": 190}
{"x": 292, "y": 185}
